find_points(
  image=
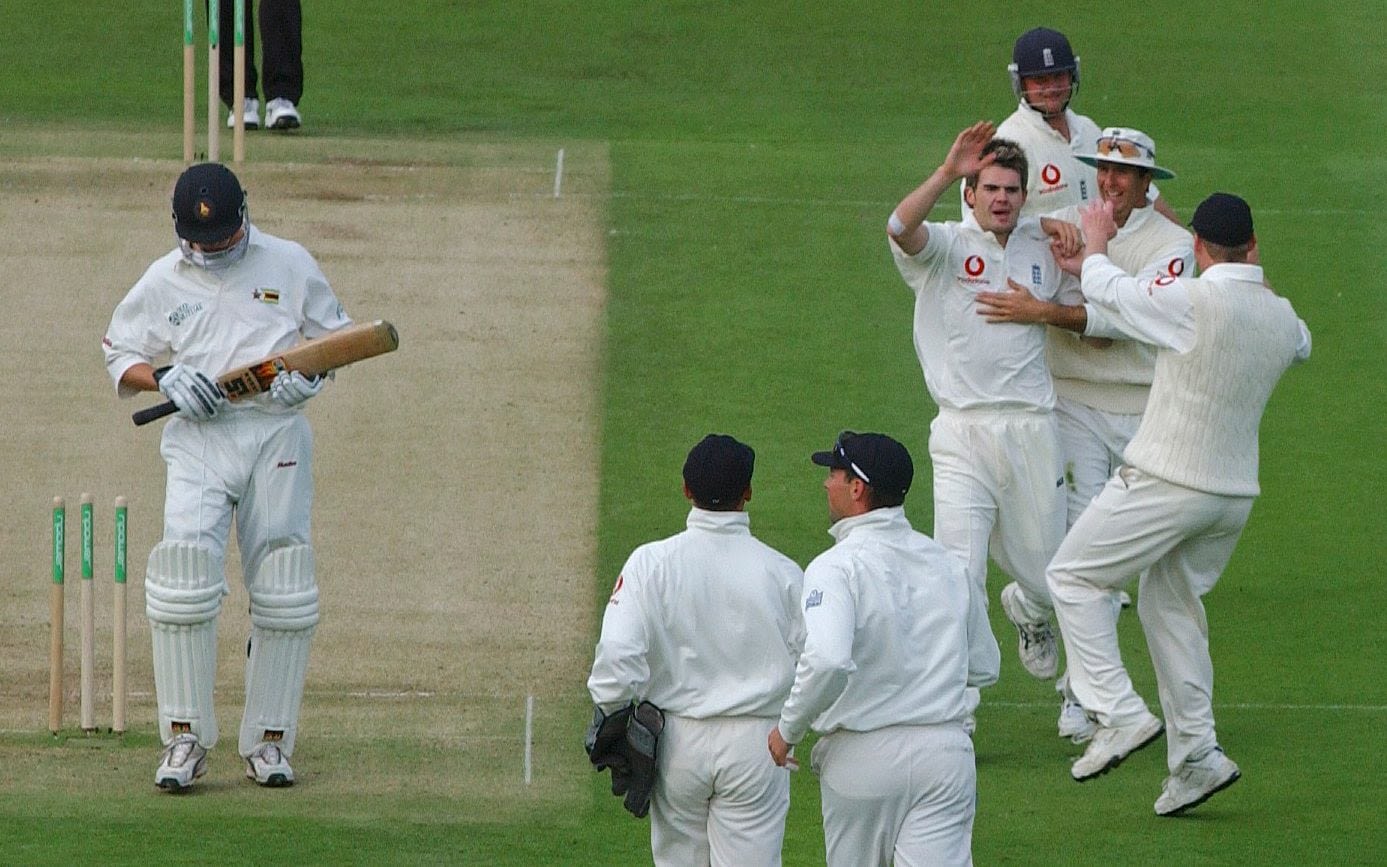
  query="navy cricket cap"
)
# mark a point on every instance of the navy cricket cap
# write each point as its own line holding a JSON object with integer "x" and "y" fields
{"x": 718, "y": 470}
{"x": 1223, "y": 219}
{"x": 208, "y": 204}
{"x": 1042, "y": 50}
{"x": 874, "y": 458}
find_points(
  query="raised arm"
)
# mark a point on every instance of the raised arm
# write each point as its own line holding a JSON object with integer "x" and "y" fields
{"x": 906, "y": 226}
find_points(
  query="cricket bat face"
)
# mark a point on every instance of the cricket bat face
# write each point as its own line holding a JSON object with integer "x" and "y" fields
{"x": 311, "y": 358}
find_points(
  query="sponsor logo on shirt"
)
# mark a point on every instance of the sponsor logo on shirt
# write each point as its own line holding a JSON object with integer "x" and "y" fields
{"x": 973, "y": 267}
{"x": 183, "y": 312}
{"x": 1052, "y": 179}
{"x": 284, "y": 465}
{"x": 620, "y": 580}
{"x": 814, "y": 599}
{"x": 1176, "y": 267}
{"x": 1035, "y": 275}
{"x": 267, "y": 296}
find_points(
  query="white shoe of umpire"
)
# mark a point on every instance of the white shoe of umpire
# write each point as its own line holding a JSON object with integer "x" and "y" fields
{"x": 182, "y": 761}
{"x": 252, "y": 115}
{"x": 1197, "y": 781}
{"x": 267, "y": 765}
{"x": 1037, "y": 647}
{"x": 1075, "y": 723}
{"x": 280, "y": 113}
{"x": 1124, "y": 599}
{"x": 1111, "y": 745}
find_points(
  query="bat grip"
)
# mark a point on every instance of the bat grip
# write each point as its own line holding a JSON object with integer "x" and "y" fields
{"x": 153, "y": 413}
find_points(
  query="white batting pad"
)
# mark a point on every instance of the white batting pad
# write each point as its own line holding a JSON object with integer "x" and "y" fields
{"x": 283, "y": 612}
{"x": 183, "y": 595}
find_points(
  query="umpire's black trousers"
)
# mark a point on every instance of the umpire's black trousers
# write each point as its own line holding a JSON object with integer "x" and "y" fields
{"x": 281, "y": 44}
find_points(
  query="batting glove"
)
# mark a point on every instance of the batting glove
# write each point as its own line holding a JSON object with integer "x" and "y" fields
{"x": 192, "y": 391}
{"x": 292, "y": 388}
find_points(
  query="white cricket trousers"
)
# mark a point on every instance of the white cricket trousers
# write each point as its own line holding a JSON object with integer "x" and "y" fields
{"x": 1092, "y": 442}
{"x": 901, "y": 794}
{"x": 1183, "y": 539}
{"x": 718, "y": 797}
{"x": 999, "y": 490}
{"x": 256, "y": 464}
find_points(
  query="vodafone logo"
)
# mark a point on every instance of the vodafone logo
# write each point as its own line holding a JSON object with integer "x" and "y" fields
{"x": 973, "y": 266}
{"x": 620, "y": 580}
{"x": 1165, "y": 280}
{"x": 1050, "y": 174}
{"x": 1176, "y": 267}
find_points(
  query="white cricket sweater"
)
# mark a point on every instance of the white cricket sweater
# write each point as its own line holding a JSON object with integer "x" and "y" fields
{"x": 1201, "y": 423}
{"x": 1117, "y": 378}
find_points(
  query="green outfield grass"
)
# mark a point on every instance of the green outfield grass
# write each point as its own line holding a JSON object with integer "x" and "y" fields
{"x": 756, "y": 152}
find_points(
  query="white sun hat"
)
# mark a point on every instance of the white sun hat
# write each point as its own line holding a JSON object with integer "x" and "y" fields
{"x": 1126, "y": 147}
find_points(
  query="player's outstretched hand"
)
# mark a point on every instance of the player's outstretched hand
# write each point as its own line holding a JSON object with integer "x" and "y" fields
{"x": 292, "y": 388}
{"x": 192, "y": 391}
{"x": 965, "y": 157}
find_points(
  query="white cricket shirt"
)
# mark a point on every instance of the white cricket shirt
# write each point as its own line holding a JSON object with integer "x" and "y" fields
{"x": 967, "y": 361}
{"x": 1055, "y": 178}
{"x": 705, "y": 623}
{"x": 894, "y": 632}
{"x": 213, "y": 321}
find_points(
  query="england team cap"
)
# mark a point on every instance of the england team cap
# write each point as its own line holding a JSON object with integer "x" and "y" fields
{"x": 718, "y": 470}
{"x": 1041, "y": 50}
{"x": 1126, "y": 147}
{"x": 1223, "y": 219}
{"x": 875, "y": 458}
{"x": 208, "y": 203}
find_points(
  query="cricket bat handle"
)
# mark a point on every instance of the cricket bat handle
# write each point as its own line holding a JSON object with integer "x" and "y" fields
{"x": 154, "y": 413}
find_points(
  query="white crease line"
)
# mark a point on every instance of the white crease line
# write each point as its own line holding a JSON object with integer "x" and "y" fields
{"x": 1367, "y": 708}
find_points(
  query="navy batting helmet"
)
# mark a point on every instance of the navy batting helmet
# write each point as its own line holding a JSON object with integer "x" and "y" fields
{"x": 208, "y": 204}
{"x": 1039, "y": 52}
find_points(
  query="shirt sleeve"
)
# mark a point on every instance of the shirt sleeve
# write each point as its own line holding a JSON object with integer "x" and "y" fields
{"x": 1302, "y": 349}
{"x": 621, "y": 670}
{"x": 1157, "y": 312}
{"x": 322, "y": 312}
{"x": 1163, "y": 263}
{"x": 136, "y": 335}
{"x": 830, "y": 617}
{"x": 984, "y": 657}
{"x": 916, "y": 269}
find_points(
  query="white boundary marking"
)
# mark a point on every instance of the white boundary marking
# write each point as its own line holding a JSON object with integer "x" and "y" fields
{"x": 529, "y": 728}
{"x": 558, "y": 174}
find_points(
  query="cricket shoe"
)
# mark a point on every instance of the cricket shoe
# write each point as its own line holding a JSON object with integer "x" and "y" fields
{"x": 1197, "y": 781}
{"x": 268, "y": 766}
{"x": 280, "y": 113}
{"x": 1075, "y": 723}
{"x": 1110, "y": 745}
{"x": 182, "y": 761}
{"x": 252, "y": 115}
{"x": 1037, "y": 647}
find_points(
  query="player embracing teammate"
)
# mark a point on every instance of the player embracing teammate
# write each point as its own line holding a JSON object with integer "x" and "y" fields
{"x": 1099, "y": 407}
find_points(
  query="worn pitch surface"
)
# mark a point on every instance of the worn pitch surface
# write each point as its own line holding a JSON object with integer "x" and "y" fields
{"x": 456, "y": 478}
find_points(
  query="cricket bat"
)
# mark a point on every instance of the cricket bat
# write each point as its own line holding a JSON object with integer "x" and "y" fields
{"x": 311, "y": 358}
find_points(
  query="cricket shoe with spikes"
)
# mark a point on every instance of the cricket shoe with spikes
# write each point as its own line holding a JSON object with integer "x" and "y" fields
{"x": 183, "y": 760}
{"x": 268, "y": 766}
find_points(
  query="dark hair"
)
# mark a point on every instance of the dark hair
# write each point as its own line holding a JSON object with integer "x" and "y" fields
{"x": 1009, "y": 156}
{"x": 884, "y": 499}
